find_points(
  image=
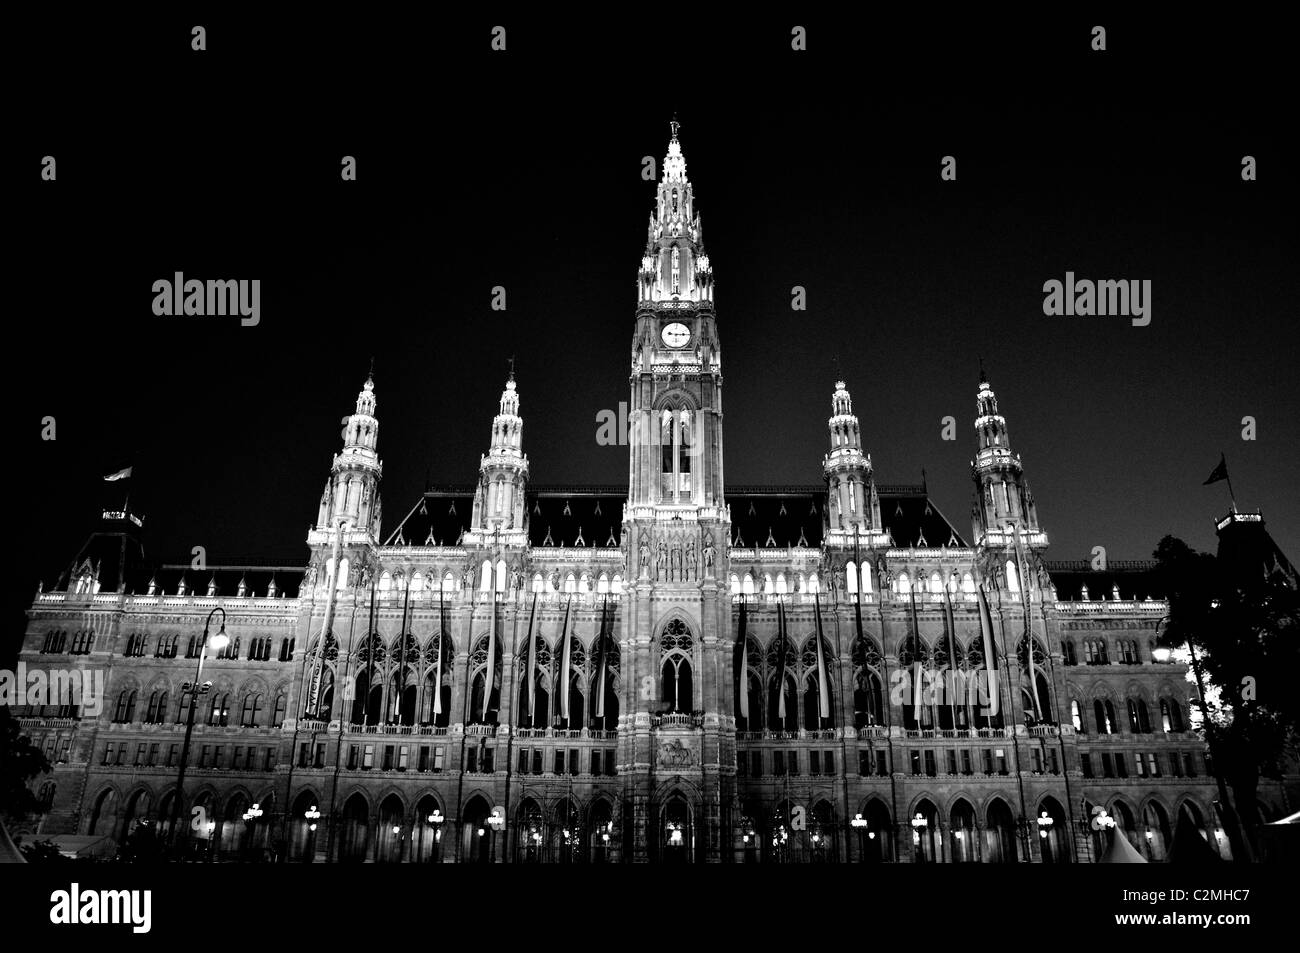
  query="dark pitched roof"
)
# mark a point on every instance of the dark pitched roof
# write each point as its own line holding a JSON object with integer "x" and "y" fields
{"x": 1136, "y": 579}
{"x": 555, "y": 516}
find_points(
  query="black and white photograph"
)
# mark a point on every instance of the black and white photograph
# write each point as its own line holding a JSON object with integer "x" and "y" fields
{"x": 379, "y": 507}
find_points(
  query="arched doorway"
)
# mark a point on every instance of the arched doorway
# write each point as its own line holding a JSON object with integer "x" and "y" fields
{"x": 926, "y": 836}
{"x": 302, "y": 837}
{"x": 476, "y": 833}
{"x": 428, "y": 824}
{"x": 822, "y": 844}
{"x": 103, "y": 817}
{"x": 600, "y": 832}
{"x": 391, "y": 842}
{"x": 567, "y": 840}
{"x": 999, "y": 834}
{"x": 355, "y": 841}
{"x": 963, "y": 844}
{"x": 1156, "y": 831}
{"x": 676, "y": 834}
{"x": 530, "y": 833}
{"x": 232, "y": 826}
{"x": 749, "y": 834}
{"x": 1053, "y": 832}
{"x": 876, "y": 837}
{"x": 1126, "y": 823}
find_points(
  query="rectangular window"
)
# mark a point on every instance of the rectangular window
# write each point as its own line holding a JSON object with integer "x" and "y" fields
{"x": 575, "y": 763}
{"x": 139, "y": 753}
{"x": 270, "y": 759}
{"x": 471, "y": 759}
{"x": 1153, "y": 765}
{"x": 778, "y": 762}
{"x": 424, "y": 758}
{"x": 304, "y": 752}
{"x": 1139, "y": 766}
{"x": 1107, "y": 766}
{"x": 792, "y": 762}
{"x": 828, "y": 762}
{"x": 403, "y": 757}
{"x": 930, "y": 768}
{"x": 173, "y": 755}
{"x": 368, "y": 757}
{"x": 864, "y": 763}
{"x": 237, "y": 758}
{"x": 988, "y": 760}
{"x": 203, "y": 756}
{"x": 595, "y": 761}
{"x": 1121, "y": 766}
{"x": 1036, "y": 761}
{"x": 1085, "y": 763}
{"x": 217, "y": 753}
{"x": 611, "y": 764}
{"x": 1189, "y": 764}
{"x": 916, "y": 761}
{"x": 537, "y": 761}
{"x": 354, "y": 756}
{"x": 108, "y": 753}
{"x": 814, "y": 762}
{"x": 523, "y": 760}
{"x": 437, "y": 758}
{"x": 488, "y": 757}
{"x": 882, "y": 762}
{"x": 1175, "y": 764}
{"x": 559, "y": 761}
{"x": 1001, "y": 755}
{"x": 153, "y": 754}
{"x": 1052, "y": 764}
{"x": 952, "y": 760}
{"x": 388, "y": 757}
{"x": 965, "y": 762}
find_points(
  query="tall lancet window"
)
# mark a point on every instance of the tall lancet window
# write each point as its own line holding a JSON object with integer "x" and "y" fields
{"x": 668, "y": 439}
{"x": 676, "y": 273}
{"x": 684, "y": 456}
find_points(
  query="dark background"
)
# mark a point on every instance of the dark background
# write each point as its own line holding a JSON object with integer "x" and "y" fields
{"x": 523, "y": 169}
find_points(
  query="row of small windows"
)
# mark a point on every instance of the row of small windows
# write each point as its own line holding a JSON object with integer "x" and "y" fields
{"x": 56, "y": 642}
{"x": 149, "y": 753}
{"x": 252, "y": 712}
{"x": 499, "y": 578}
{"x": 1096, "y": 652}
{"x": 1139, "y": 719}
{"x": 1145, "y": 764}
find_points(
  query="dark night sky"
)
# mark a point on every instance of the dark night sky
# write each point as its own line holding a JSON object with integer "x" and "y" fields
{"x": 817, "y": 169}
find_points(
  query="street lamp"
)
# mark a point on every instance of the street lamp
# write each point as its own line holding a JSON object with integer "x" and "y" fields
{"x": 311, "y": 816}
{"x": 195, "y": 688}
{"x": 1045, "y": 822}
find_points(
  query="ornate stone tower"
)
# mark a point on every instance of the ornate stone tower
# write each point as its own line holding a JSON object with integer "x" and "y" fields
{"x": 343, "y": 543}
{"x": 1002, "y": 496}
{"x": 499, "y": 510}
{"x": 852, "y": 506}
{"x": 678, "y": 729}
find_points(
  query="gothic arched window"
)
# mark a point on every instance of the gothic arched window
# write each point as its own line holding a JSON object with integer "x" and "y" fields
{"x": 675, "y": 649}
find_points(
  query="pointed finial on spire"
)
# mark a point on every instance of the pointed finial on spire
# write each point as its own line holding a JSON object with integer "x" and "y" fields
{"x": 370, "y": 375}
{"x": 675, "y": 125}
{"x": 512, "y": 367}
{"x": 983, "y": 377}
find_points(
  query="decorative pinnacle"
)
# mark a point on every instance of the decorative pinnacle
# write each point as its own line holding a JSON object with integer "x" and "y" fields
{"x": 675, "y": 125}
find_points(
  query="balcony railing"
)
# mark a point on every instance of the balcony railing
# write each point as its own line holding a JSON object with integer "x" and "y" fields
{"x": 676, "y": 720}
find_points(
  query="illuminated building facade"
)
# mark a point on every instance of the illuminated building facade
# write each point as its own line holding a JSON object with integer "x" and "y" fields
{"x": 672, "y": 670}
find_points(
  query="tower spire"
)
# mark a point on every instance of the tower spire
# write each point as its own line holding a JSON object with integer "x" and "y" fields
{"x": 1002, "y": 491}
{"x": 503, "y": 473}
{"x": 852, "y": 506}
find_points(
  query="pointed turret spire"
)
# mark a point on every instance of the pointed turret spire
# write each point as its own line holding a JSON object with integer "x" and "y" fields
{"x": 675, "y": 266}
{"x": 852, "y": 506}
{"x": 1002, "y": 492}
{"x": 353, "y": 487}
{"x": 503, "y": 470}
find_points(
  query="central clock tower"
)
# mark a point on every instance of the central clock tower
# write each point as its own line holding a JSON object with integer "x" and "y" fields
{"x": 676, "y": 619}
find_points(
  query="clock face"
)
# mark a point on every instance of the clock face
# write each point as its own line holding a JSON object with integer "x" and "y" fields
{"x": 676, "y": 335}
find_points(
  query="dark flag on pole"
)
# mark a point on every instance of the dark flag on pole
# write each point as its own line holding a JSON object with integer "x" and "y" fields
{"x": 1220, "y": 472}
